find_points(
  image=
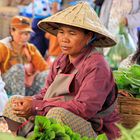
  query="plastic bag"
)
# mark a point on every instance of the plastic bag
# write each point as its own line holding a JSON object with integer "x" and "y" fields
{"x": 124, "y": 48}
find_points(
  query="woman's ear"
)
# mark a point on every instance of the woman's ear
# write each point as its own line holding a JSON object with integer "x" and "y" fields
{"x": 90, "y": 35}
{"x": 12, "y": 30}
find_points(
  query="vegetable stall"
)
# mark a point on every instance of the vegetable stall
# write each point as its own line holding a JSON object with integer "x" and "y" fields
{"x": 128, "y": 82}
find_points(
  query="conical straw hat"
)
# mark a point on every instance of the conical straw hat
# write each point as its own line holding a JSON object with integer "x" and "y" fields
{"x": 83, "y": 16}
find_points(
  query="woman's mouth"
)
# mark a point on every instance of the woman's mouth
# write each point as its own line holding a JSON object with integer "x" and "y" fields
{"x": 65, "y": 48}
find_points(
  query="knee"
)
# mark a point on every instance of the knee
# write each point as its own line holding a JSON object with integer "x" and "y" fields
{"x": 17, "y": 67}
{"x": 57, "y": 112}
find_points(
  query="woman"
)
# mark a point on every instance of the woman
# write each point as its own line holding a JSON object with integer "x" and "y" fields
{"x": 80, "y": 90}
{"x": 133, "y": 58}
{"x": 115, "y": 14}
{"x": 128, "y": 13}
{"x": 23, "y": 68}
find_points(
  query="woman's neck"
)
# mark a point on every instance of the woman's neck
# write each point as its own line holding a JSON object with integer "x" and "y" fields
{"x": 16, "y": 46}
{"x": 72, "y": 58}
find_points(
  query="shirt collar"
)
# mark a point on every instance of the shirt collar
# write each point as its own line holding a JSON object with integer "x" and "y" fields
{"x": 65, "y": 60}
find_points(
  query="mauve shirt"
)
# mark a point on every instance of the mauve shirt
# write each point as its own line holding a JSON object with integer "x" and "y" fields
{"x": 90, "y": 87}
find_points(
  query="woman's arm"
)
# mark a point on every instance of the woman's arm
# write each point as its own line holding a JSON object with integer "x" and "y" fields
{"x": 89, "y": 99}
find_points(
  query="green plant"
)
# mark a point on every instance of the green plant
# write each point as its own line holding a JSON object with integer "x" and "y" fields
{"x": 7, "y": 136}
{"x": 49, "y": 129}
{"x": 129, "y": 134}
{"x": 129, "y": 79}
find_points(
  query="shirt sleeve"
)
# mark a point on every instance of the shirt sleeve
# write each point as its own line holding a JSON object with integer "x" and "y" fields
{"x": 3, "y": 53}
{"x": 90, "y": 98}
{"x": 37, "y": 60}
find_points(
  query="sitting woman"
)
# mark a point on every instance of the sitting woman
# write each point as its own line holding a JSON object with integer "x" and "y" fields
{"x": 80, "y": 90}
{"x": 22, "y": 66}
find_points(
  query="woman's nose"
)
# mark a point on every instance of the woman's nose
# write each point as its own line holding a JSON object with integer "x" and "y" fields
{"x": 26, "y": 36}
{"x": 65, "y": 38}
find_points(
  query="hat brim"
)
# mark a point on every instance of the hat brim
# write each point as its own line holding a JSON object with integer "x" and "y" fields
{"x": 81, "y": 16}
{"x": 101, "y": 39}
{"x": 26, "y": 30}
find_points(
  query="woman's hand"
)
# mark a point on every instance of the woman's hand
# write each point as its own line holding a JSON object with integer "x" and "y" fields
{"x": 123, "y": 21}
{"x": 22, "y": 107}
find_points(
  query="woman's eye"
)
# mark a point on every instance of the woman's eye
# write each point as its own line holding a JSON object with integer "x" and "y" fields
{"x": 72, "y": 33}
{"x": 60, "y": 31}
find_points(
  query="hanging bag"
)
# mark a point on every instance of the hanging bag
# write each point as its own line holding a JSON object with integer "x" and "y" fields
{"x": 123, "y": 49}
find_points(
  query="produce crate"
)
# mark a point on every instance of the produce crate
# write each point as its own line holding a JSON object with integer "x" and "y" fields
{"x": 129, "y": 109}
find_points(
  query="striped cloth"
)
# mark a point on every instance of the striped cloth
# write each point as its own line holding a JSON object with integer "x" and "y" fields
{"x": 76, "y": 123}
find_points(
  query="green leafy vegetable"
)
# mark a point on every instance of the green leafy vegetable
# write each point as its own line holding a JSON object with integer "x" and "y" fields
{"x": 7, "y": 136}
{"x": 129, "y": 134}
{"x": 129, "y": 79}
{"x": 49, "y": 129}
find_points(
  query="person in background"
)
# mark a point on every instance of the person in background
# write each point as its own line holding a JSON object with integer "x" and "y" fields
{"x": 80, "y": 89}
{"x": 55, "y": 6}
{"x": 54, "y": 49}
{"x": 74, "y": 2}
{"x": 126, "y": 12}
{"x": 133, "y": 58}
{"x": 3, "y": 96}
{"x": 97, "y": 4}
{"x": 22, "y": 66}
{"x": 118, "y": 15}
{"x": 39, "y": 9}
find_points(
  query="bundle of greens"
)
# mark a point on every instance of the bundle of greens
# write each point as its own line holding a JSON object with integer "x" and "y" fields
{"x": 49, "y": 129}
{"x": 129, "y": 79}
{"x": 129, "y": 134}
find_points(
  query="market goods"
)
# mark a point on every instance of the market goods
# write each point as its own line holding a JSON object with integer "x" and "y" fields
{"x": 124, "y": 48}
{"x": 129, "y": 79}
{"x": 7, "y": 136}
{"x": 130, "y": 134}
{"x": 50, "y": 129}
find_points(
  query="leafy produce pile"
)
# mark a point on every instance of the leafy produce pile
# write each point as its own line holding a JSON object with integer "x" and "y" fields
{"x": 130, "y": 134}
{"x": 50, "y": 129}
{"x": 129, "y": 79}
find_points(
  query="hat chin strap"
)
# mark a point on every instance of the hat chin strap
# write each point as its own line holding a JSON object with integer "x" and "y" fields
{"x": 91, "y": 41}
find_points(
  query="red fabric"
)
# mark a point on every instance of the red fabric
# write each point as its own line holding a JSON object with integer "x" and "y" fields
{"x": 91, "y": 88}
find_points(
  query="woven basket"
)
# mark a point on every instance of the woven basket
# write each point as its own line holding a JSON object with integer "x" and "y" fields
{"x": 129, "y": 109}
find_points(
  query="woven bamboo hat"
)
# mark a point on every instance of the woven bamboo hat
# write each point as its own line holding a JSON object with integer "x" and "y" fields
{"x": 82, "y": 16}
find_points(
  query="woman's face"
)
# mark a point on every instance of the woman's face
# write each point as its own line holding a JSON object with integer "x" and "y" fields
{"x": 20, "y": 37}
{"x": 72, "y": 40}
